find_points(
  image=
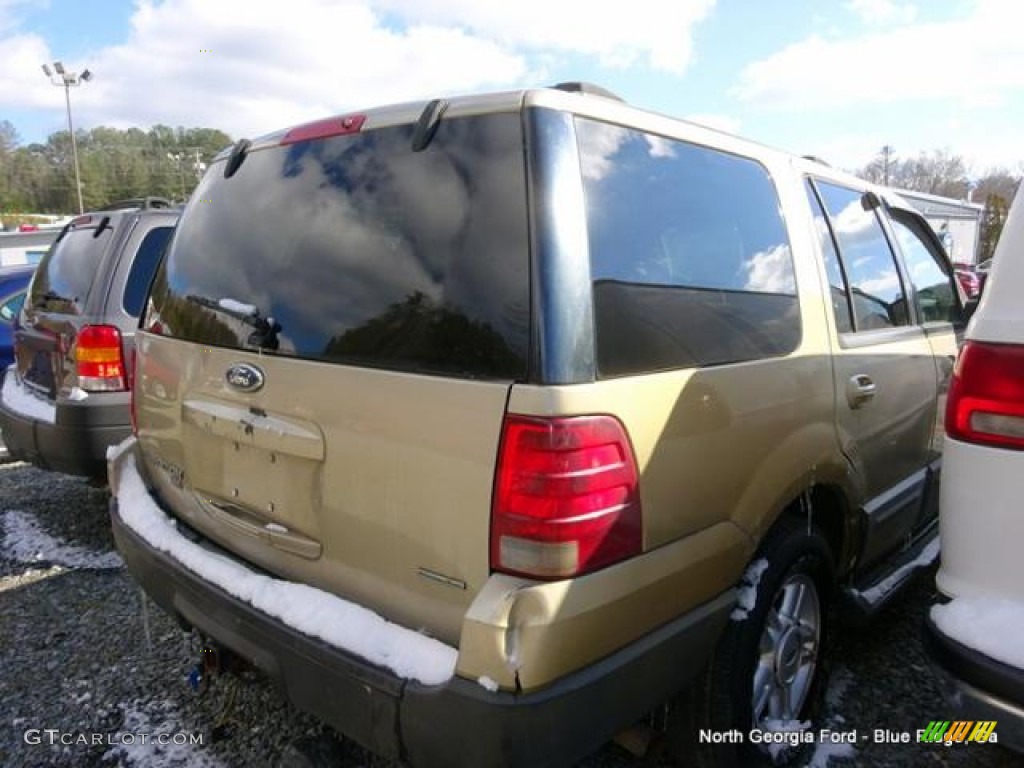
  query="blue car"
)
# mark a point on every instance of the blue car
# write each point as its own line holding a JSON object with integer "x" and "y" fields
{"x": 13, "y": 284}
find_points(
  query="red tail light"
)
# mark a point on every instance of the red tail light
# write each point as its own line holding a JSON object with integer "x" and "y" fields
{"x": 566, "y": 497}
{"x": 100, "y": 359}
{"x": 986, "y": 399}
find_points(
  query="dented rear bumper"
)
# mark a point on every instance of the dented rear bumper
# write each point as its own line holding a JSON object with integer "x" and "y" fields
{"x": 457, "y": 723}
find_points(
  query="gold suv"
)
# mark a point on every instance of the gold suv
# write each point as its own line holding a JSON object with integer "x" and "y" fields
{"x": 488, "y": 426}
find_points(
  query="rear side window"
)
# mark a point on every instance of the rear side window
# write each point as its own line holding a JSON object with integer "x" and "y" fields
{"x": 876, "y": 290}
{"x": 838, "y": 292}
{"x": 933, "y": 285}
{"x": 65, "y": 274}
{"x": 143, "y": 266}
{"x": 689, "y": 255}
{"x": 359, "y": 250}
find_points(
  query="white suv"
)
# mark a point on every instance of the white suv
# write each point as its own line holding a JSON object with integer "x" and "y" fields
{"x": 976, "y": 637}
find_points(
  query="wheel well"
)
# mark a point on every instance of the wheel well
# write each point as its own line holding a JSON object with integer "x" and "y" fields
{"x": 828, "y": 511}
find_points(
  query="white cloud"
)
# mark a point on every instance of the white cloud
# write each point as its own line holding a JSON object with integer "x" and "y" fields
{"x": 11, "y": 10}
{"x": 882, "y": 11}
{"x": 249, "y": 68}
{"x": 624, "y": 34}
{"x": 848, "y": 151}
{"x": 234, "y": 65}
{"x": 21, "y": 77}
{"x": 974, "y": 61}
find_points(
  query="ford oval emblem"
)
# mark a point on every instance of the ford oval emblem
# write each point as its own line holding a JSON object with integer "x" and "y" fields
{"x": 245, "y": 377}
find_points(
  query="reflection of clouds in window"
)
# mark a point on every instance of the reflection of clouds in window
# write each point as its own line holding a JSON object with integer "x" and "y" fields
{"x": 854, "y": 222}
{"x": 886, "y": 286}
{"x": 920, "y": 271}
{"x": 340, "y": 238}
{"x": 924, "y": 269}
{"x": 599, "y": 143}
{"x": 770, "y": 271}
{"x": 822, "y": 227}
{"x": 660, "y": 147}
{"x": 327, "y": 235}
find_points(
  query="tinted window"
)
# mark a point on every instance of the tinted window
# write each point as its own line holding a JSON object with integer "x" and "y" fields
{"x": 356, "y": 249}
{"x": 10, "y": 308}
{"x": 65, "y": 274}
{"x": 689, "y": 255}
{"x": 933, "y": 287}
{"x": 876, "y": 290}
{"x": 143, "y": 266}
{"x": 833, "y": 268}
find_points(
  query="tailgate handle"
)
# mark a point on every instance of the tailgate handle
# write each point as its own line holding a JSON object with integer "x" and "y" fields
{"x": 241, "y": 521}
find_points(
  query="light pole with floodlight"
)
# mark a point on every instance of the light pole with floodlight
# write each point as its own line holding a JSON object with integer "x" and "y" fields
{"x": 62, "y": 78}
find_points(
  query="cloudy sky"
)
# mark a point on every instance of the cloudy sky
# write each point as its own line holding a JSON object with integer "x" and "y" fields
{"x": 834, "y": 78}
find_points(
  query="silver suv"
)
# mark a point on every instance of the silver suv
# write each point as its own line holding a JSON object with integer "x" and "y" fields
{"x": 67, "y": 400}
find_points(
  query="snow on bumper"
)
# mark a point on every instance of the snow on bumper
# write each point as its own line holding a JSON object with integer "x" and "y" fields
{"x": 311, "y": 611}
{"x": 18, "y": 399}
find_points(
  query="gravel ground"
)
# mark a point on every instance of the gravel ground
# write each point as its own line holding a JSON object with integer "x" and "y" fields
{"x": 83, "y": 653}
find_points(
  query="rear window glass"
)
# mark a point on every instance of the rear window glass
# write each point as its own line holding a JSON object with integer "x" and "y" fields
{"x": 143, "y": 266}
{"x": 65, "y": 274}
{"x": 689, "y": 255}
{"x": 359, "y": 250}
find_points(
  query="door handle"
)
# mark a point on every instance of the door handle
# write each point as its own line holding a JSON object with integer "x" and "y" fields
{"x": 860, "y": 389}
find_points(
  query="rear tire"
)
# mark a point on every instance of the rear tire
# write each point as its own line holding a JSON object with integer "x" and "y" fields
{"x": 767, "y": 672}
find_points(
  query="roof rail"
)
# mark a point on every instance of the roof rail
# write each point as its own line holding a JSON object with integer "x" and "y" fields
{"x": 587, "y": 89}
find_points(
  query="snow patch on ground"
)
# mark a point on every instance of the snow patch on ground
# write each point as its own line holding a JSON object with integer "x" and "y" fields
{"x": 25, "y": 541}
{"x": 838, "y": 684}
{"x": 747, "y": 595}
{"x": 159, "y": 721}
{"x": 993, "y": 626}
{"x": 18, "y": 398}
{"x": 311, "y": 611}
{"x": 894, "y": 579}
{"x": 780, "y": 748}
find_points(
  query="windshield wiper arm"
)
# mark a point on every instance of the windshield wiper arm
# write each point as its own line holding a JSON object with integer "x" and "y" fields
{"x": 265, "y": 335}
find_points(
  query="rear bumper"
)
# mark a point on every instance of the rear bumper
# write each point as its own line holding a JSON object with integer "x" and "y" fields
{"x": 458, "y": 723}
{"x": 76, "y": 443}
{"x": 978, "y": 686}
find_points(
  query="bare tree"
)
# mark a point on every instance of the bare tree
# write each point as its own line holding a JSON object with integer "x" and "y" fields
{"x": 939, "y": 172}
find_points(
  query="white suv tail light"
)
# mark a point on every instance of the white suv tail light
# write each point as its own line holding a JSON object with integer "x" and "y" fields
{"x": 986, "y": 398}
